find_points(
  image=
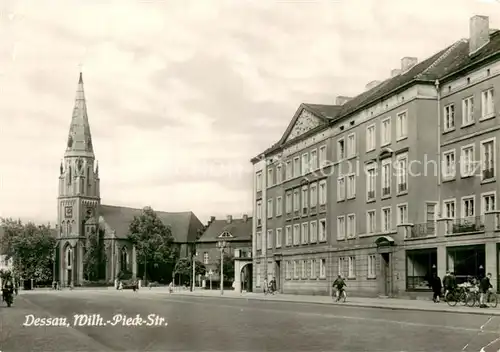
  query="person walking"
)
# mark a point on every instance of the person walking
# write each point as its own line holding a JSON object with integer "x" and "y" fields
{"x": 265, "y": 286}
{"x": 436, "y": 287}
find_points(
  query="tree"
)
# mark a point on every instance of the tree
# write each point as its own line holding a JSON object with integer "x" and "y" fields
{"x": 94, "y": 255}
{"x": 228, "y": 266}
{"x": 31, "y": 247}
{"x": 184, "y": 267}
{"x": 153, "y": 239}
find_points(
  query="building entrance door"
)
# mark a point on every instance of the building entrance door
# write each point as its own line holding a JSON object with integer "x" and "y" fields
{"x": 278, "y": 275}
{"x": 387, "y": 273}
{"x": 70, "y": 277}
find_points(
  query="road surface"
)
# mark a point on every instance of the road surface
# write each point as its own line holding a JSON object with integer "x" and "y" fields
{"x": 232, "y": 324}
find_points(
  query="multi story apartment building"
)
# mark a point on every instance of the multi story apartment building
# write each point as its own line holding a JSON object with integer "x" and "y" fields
{"x": 366, "y": 188}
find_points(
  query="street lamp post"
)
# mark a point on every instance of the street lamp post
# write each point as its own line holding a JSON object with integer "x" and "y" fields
{"x": 221, "y": 245}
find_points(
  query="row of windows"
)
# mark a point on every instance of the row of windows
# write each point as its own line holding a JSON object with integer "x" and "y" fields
{"x": 468, "y": 164}
{"x": 309, "y": 269}
{"x": 346, "y": 148}
{"x": 311, "y": 232}
{"x": 468, "y": 117}
{"x": 468, "y": 206}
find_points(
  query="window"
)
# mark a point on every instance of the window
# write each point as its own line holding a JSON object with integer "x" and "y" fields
{"x": 370, "y": 138}
{"x": 449, "y": 164}
{"x": 351, "y": 145}
{"x": 322, "y": 193}
{"x": 287, "y": 270}
{"x": 259, "y": 240}
{"x": 305, "y": 163}
{"x": 402, "y": 174}
{"x": 296, "y": 234}
{"x": 386, "y": 178}
{"x": 468, "y": 111}
{"x": 340, "y": 188}
{"x": 322, "y": 156}
{"x": 340, "y": 149}
{"x": 421, "y": 262}
{"x": 313, "y": 163}
{"x": 304, "y": 233}
{"x": 401, "y": 126}
{"x": 386, "y": 219}
{"x": 487, "y": 203}
{"x": 449, "y": 209}
{"x": 205, "y": 258}
{"x": 372, "y": 266}
{"x": 314, "y": 195}
{"x": 322, "y": 268}
{"x": 288, "y": 170}
{"x": 295, "y": 271}
{"x": 269, "y": 239}
{"x": 322, "y": 230}
{"x": 314, "y": 275}
{"x": 288, "y": 235}
{"x": 313, "y": 232}
{"x": 370, "y": 183}
{"x": 305, "y": 191}
{"x": 342, "y": 265}
{"x": 258, "y": 181}
{"x": 468, "y": 207}
{"x": 303, "y": 267}
{"x": 449, "y": 117}
{"x": 269, "y": 208}
{"x": 296, "y": 200}
{"x": 371, "y": 221}
{"x": 279, "y": 233}
{"x": 296, "y": 166}
{"x": 279, "y": 206}
{"x": 386, "y": 132}
{"x": 340, "y": 227}
{"x": 487, "y": 104}
{"x": 288, "y": 202}
{"x": 279, "y": 174}
{"x": 488, "y": 159}
{"x": 351, "y": 186}
{"x": 467, "y": 161}
{"x": 352, "y": 267}
{"x": 402, "y": 214}
{"x": 351, "y": 226}
{"x": 270, "y": 179}
{"x": 259, "y": 213}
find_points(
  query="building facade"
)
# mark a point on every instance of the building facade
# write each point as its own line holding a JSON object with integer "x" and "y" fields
{"x": 80, "y": 212}
{"x": 369, "y": 188}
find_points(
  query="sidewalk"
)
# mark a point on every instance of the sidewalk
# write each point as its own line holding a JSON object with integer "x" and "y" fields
{"x": 385, "y": 303}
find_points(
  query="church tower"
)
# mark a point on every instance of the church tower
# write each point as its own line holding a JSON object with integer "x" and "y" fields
{"x": 79, "y": 194}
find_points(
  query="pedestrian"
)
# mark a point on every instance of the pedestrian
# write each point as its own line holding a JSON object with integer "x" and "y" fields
{"x": 447, "y": 284}
{"x": 265, "y": 286}
{"x": 436, "y": 287}
{"x": 484, "y": 286}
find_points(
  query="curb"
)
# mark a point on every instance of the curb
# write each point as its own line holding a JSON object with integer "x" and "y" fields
{"x": 347, "y": 304}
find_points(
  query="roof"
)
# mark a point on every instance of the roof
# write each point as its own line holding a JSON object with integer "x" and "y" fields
{"x": 184, "y": 225}
{"x": 442, "y": 66}
{"x": 238, "y": 229}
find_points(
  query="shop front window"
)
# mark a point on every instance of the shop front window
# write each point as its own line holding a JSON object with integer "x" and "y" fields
{"x": 420, "y": 266}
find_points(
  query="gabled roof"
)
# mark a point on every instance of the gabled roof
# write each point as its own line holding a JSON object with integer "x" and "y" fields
{"x": 441, "y": 66}
{"x": 184, "y": 225}
{"x": 239, "y": 229}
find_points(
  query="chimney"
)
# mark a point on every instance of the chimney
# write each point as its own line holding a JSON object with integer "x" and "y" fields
{"x": 245, "y": 217}
{"x": 229, "y": 219}
{"x": 341, "y": 100}
{"x": 479, "y": 28}
{"x": 372, "y": 84}
{"x": 395, "y": 72}
{"x": 407, "y": 63}
{"x": 212, "y": 219}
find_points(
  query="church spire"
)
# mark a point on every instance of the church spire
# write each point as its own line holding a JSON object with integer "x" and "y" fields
{"x": 80, "y": 139}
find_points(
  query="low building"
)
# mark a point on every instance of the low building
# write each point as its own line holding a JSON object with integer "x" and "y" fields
{"x": 237, "y": 234}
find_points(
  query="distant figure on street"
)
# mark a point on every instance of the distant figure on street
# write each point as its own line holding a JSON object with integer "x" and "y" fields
{"x": 436, "y": 288}
{"x": 265, "y": 285}
{"x": 447, "y": 283}
{"x": 171, "y": 287}
{"x": 337, "y": 287}
{"x": 484, "y": 286}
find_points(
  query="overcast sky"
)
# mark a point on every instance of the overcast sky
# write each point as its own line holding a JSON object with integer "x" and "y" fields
{"x": 181, "y": 94}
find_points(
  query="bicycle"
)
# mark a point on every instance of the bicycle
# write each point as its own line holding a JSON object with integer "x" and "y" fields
{"x": 491, "y": 299}
{"x": 341, "y": 296}
{"x": 457, "y": 295}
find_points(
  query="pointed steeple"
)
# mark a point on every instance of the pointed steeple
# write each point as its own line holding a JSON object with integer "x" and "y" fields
{"x": 80, "y": 139}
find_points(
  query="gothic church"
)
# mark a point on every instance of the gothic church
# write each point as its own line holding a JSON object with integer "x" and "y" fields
{"x": 80, "y": 212}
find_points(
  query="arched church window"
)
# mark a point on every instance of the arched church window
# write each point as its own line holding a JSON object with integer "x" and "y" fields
{"x": 69, "y": 257}
{"x": 88, "y": 175}
{"x": 70, "y": 175}
{"x": 124, "y": 259}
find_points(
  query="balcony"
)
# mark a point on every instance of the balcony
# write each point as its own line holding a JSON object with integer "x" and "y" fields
{"x": 371, "y": 195}
{"x": 469, "y": 224}
{"x": 488, "y": 174}
{"x": 386, "y": 191}
{"x": 422, "y": 230}
{"x": 402, "y": 187}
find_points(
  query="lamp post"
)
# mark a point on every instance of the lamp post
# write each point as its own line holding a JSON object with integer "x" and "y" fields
{"x": 221, "y": 245}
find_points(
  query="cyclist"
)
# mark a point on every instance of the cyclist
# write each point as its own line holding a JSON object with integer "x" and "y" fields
{"x": 447, "y": 284}
{"x": 338, "y": 285}
{"x": 484, "y": 286}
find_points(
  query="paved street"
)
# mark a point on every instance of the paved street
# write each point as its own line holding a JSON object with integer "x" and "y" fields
{"x": 236, "y": 324}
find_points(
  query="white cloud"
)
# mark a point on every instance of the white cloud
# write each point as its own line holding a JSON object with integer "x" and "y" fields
{"x": 182, "y": 94}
